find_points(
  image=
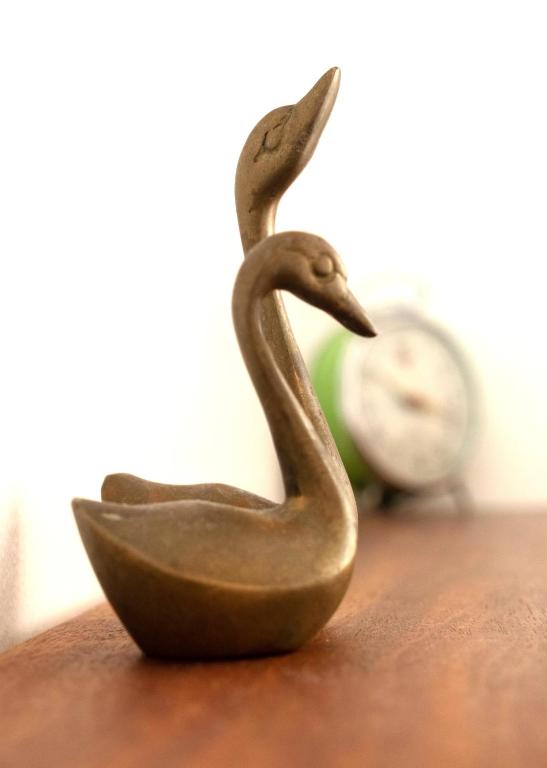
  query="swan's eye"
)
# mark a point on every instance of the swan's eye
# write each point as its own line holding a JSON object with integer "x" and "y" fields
{"x": 273, "y": 137}
{"x": 323, "y": 265}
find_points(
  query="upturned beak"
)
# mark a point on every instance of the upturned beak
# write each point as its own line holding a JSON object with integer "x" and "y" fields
{"x": 353, "y": 317}
{"x": 311, "y": 113}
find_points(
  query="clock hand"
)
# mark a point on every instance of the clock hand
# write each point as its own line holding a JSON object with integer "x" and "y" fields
{"x": 419, "y": 402}
{"x": 389, "y": 382}
{"x": 398, "y": 390}
{"x": 411, "y": 400}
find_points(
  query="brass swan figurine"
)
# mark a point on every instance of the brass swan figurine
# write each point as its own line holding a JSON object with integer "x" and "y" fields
{"x": 202, "y": 578}
{"x": 274, "y": 154}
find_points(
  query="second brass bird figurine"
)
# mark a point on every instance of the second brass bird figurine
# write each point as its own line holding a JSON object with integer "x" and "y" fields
{"x": 275, "y": 152}
{"x": 212, "y": 571}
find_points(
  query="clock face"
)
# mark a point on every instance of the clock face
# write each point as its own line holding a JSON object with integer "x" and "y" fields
{"x": 406, "y": 400}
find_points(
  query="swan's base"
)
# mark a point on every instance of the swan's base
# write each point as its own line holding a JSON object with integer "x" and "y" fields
{"x": 173, "y": 617}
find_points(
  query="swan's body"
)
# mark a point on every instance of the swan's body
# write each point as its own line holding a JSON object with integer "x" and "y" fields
{"x": 276, "y": 151}
{"x": 203, "y": 578}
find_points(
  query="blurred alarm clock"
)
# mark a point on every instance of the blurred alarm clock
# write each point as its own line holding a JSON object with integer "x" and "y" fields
{"x": 401, "y": 407}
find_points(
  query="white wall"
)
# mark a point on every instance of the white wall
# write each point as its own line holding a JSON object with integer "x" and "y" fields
{"x": 121, "y": 127}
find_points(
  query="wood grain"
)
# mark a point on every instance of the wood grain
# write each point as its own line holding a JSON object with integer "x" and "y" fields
{"x": 437, "y": 657}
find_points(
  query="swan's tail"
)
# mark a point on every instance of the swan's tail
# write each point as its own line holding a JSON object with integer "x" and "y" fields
{"x": 126, "y": 489}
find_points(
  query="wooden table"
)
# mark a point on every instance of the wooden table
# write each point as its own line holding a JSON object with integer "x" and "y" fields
{"x": 437, "y": 657}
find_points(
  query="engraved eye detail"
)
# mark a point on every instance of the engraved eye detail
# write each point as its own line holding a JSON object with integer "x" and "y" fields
{"x": 323, "y": 265}
{"x": 272, "y": 139}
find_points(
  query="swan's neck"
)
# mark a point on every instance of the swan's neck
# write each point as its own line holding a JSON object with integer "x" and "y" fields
{"x": 306, "y": 464}
{"x": 257, "y": 222}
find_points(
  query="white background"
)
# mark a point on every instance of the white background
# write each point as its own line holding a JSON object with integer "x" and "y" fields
{"x": 120, "y": 128}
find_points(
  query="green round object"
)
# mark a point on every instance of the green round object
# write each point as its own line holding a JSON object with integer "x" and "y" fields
{"x": 326, "y": 378}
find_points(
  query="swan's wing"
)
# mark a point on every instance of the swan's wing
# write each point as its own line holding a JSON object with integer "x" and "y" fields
{"x": 129, "y": 489}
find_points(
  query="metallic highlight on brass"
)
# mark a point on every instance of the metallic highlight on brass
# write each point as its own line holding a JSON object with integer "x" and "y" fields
{"x": 205, "y": 571}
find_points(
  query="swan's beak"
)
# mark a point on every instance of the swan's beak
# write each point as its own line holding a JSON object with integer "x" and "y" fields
{"x": 353, "y": 317}
{"x": 313, "y": 110}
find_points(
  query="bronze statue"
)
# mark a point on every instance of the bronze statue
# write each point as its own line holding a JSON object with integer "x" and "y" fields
{"x": 213, "y": 571}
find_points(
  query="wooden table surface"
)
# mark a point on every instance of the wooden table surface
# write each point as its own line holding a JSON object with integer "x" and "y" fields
{"x": 437, "y": 657}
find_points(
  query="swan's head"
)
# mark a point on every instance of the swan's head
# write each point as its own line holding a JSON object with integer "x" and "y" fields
{"x": 308, "y": 267}
{"x": 281, "y": 144}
